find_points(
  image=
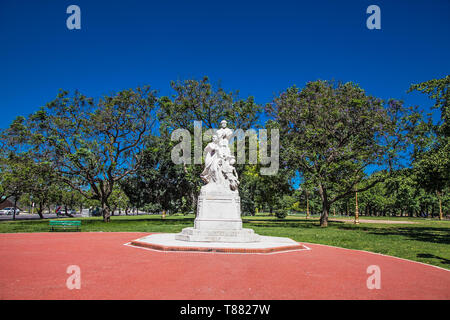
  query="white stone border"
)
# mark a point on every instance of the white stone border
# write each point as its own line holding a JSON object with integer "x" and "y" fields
{"x": 128, "y": 244}
{"x": 380, "y": 254}
{"x": 302, "y": 243}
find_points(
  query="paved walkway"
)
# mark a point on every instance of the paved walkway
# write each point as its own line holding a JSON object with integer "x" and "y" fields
{"x": 34, "y": 266}
{"x": 373, "y": 221}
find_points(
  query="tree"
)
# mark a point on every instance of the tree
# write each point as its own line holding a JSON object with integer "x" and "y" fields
{"x": 376, "y": 200}
{"x": 62, "y": 194}
{"x": 432, "y": 171}
{"x": 400, "y": 190}
{"x": 119, "y": 200}
{"x": 21, "y": 176}
{"x": 16, "y": 177}
{"x": 44, "y": 185}
{"x": 91, "y": 144}
{"x": 270, "y": 190}
{"x": 249, "y": 179}
{"x": 198, "y": 100}
{"x": 158, "y": 180}
{"x": 432, "y": 151}
{"x": 5, "y": 192}
{"x": 332, "y": 132}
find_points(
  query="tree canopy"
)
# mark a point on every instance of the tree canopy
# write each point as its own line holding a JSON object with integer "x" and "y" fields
{"x": 432, "y": 147}
{"x": 335, "y": 140}
{"x": 90, "y": 144}
{"x": 331, "y": 133}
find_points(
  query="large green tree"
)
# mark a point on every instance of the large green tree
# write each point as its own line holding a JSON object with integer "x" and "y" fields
{"x": 199, "y": 100}
{"x": 158, "y": 181}
{"x": 432, "y": 141}
{"x": 15, "y": 177}
{"x": 332, "y": 132}
{"x": 91, "y": 144}
{"x": 44, "y": 186}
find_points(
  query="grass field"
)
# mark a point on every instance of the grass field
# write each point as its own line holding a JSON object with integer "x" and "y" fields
{"x": 425, "y": 241}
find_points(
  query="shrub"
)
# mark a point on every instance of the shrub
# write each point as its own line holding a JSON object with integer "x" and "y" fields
{"x": 281, "y": 213}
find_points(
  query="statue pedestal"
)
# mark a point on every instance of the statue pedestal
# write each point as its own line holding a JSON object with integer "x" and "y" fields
{"x": 218, "y": 218}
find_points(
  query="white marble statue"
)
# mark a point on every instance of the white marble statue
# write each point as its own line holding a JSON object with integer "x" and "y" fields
{"x": 219, "y": 204}
{"x": 212, "y": 159}
{"x": 219, "y": 161}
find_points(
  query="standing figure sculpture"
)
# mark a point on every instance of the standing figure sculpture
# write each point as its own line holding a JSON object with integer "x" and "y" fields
{"x": 219, "y": 204}
{"x": 219, "y": 161}
{"x": 212, "y": 160}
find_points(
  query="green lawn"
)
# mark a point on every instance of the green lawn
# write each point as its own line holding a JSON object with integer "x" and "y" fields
{"x": 426, "y": 241}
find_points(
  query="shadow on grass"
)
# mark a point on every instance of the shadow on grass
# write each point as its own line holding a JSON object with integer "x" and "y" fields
{"x": 139, "y": 220}
{"x": 289, "y": 223}
{"x": 97, "y": 224}
{"x": 424, "y": 234}
{"x": 432, "y": 256}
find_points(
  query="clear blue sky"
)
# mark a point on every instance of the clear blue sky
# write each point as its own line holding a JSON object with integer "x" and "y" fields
{"x": 260, "y": 48}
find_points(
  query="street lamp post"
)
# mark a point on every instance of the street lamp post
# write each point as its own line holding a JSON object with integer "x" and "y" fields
{"x": 356, "y": 208}
{"x": 307, "y": 204}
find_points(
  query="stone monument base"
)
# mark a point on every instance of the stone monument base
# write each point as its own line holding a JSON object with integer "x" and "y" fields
{"x": 218, "y": 235}
{"x": 168, "y": 242}
{"x": 218, "y": 228}
{"x": 218, "y": 218}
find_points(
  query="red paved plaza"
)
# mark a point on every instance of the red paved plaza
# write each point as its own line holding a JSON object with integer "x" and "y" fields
{"x": 34, "y": 266}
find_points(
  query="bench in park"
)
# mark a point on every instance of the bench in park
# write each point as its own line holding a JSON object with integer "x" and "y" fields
{"x": 64, "y": 225}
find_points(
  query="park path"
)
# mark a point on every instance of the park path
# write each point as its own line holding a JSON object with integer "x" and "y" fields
{"x": 34, "y": 266}
{"x": 373, "y": 221}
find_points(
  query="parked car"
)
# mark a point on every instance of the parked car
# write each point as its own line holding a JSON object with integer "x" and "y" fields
{"x": 9, "y": 210}
{"x": 61, "y": 211}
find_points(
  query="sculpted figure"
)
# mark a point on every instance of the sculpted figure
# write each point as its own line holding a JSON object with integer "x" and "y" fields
{"x": 212, "y": 160}
{"x": 230, "y": 174}
{"x": 219, "y": 161}
{"x": 224, "y": 132}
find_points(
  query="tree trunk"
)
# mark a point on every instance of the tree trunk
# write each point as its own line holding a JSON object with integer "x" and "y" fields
{"x": 325, "y": 206}
{"x": 324, "y": 216}
{"x": 307, "y": 206}
{"x": 15, "y": 206}
{"x": 105, "y": 212}
{"x": 40, "y": 210}
{"x": 439, "y": 195}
